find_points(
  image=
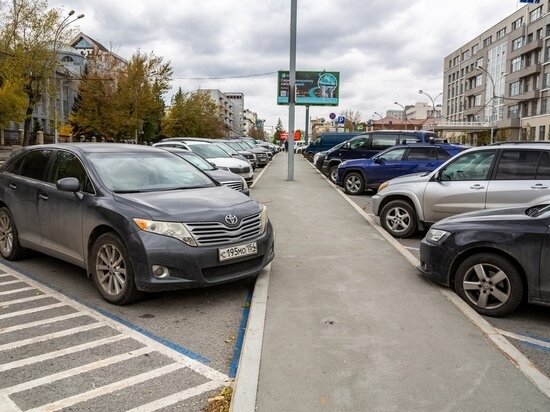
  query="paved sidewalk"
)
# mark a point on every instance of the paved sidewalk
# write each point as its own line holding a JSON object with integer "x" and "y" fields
{"x": 352, "y": 326}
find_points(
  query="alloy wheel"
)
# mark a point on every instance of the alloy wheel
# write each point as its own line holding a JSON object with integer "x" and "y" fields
{"x": 111, "y": 269}
{"x": 353, "y": 184}
{"x": 398, "y": 219}
{"x": 6, "y": 234}
{"x": 487, "y": 286}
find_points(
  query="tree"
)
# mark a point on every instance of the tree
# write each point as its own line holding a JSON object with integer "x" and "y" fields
{"x": 192, "y": 114}
{"x": 278, "y": 130}
{"x": 29, "y": 36}
{"x": 353, "y": 117}
{"x": 12, "y": 96}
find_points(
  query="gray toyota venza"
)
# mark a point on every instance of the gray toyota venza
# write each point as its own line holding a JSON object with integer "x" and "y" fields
{"x": 137, "y": 218}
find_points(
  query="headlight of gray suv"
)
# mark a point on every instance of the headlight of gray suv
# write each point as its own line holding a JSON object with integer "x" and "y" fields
{"x": 437, "y": 236}
{"x": 171, "y": 229}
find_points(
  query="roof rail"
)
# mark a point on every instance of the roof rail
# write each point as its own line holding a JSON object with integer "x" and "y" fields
{"x": 520, "y": 142}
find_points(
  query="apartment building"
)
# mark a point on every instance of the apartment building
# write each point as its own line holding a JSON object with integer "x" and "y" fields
{"x": 237, "y": 100}
{"x": 502, "y": 77}
{"x": 224, "y": 109}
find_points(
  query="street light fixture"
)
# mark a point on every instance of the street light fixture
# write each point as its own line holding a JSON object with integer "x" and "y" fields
{"x": 404, "y": 114}
{"x": 379, "y": 115}
{"x": 64, "y": 24}
{"x": 433, "y": 105}
{"x": 493, "y": 98}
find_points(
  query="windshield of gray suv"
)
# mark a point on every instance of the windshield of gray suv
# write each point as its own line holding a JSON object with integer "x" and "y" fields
{"x": 146, "y": 172}
{"x": 237, "y": 146}
{"x": 198, "y": 161}
{"x": 208, "y": 150}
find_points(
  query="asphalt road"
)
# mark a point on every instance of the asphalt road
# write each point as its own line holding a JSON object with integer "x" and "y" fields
{"x": 529, "y": 325}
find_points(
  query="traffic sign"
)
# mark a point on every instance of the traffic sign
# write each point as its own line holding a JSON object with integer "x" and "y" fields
{"x": 341, "y": 120}
{"x": 332, "y": 116}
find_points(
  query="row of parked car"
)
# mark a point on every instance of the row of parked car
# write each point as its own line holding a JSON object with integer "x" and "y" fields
{"x": 485, "y": 209}
{"x": 138, "y": 218}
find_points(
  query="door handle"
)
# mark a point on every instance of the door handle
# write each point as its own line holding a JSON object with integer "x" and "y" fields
{"x": 477, "y": 187}
{"x": 43, "y": 196}
{"x": 12, "y": 186}
{"x": 539, "y": 186}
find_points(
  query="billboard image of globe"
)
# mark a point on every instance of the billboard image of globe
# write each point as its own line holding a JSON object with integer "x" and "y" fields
{"x": 312, "y": 88}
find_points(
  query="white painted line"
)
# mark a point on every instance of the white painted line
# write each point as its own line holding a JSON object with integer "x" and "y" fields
{"x": 248, "y": 371}
{"x": 61, "y": 352}
{"x": 22, "y": 300}
{"x": 177, "y": 397}
{"x": 32, "y": 310}
{"x": 41, "y": 322}
{"x": 104, "y": 390}
{"x": 526, "y": 339}
{"x": 7, "y": 405}
{"x": 49, "y": 336}
{"x": 5, "y": 275}
{"x": 411, "y": 248}
{"x": 540, "y": 380}
{"x": 11, "y": 292}
{"x": 192, "y": 364}
{"x": 260, "y": 175}
{"x": 10, "y": 282}
{"x": 75, "y": 371}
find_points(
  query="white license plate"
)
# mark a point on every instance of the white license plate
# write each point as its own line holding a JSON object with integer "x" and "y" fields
{"x": 234, "y": 252}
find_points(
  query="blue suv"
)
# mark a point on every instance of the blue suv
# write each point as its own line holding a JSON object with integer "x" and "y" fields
{"x": 357, "y": 175}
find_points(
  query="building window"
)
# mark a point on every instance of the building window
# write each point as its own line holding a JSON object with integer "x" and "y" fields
{"x": 517, "y": 24}
{"x": 516, "y": 64}
{"x": 542, "y": 132}
{"x": 487, "y": 41}
{"x": 513, "y": 112}
{"x": 477, "y": 100}
{"x": 517, "y": 43}
{"x": 479, "y": 62}
{"x": 536, "y": 14}
{"x": 466, "y": 55}
{"x": 475, "y": 48}
{"x": 501, "y": 33}
{"x": 539, "y": 34}
{"x": 514, "y": 88}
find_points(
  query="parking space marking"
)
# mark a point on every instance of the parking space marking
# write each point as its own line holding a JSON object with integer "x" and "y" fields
{"x": 540, "y": 380}
{"x": 11, "y": 292}
{"x": 177, "y": 360}
{"x": 10, "y": 282}
{"x": 41, "y": 322}
{"x": 526, "y": 339}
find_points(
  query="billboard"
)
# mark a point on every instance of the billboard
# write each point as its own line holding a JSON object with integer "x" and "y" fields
{"x": 312, "y": 88}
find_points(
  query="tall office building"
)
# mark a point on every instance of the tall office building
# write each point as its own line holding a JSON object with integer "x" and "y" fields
{"x": 502, "y": 76}
{"x": 238, "y": 113}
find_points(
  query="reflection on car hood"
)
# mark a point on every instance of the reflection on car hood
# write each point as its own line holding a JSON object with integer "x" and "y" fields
{"x": 356, "y": 162}
{"x": 191, "y": 205}
{"x": 412, "y": 178}
{"x": 223, "y": 176}
{"x": 486, "y": 215}
{"x": 228, "y": 162}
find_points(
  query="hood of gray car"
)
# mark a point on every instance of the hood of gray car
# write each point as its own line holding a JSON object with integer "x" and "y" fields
{"x": 412, "y": 178}
{"x": 486, "y": 215}
{"x": 191, "y": 205}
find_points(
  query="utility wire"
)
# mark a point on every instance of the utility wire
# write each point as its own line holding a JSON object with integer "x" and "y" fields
{"x": 226, "y": 77}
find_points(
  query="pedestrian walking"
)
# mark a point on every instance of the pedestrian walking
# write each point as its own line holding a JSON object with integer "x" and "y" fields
{"x": 286, "y": 146}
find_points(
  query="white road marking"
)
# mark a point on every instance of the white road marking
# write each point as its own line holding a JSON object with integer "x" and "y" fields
{"x": 32, "y": 310}
{"x": 216, "y": 378}
{"x": 177, "y": 397}
{"x": 11, "y": 292}
{"x": 411, "y": 248}
{"x": 41, "y": 322}
{"x": 10, "y": 282}
{"x": 74, "y": 371}
{"x": 22, "y": 300}
{"x": 4, "y": 275}
{"x": 104, "y": 390}
{"x": 49, "y": 336}
{"x": 526, "y": 339}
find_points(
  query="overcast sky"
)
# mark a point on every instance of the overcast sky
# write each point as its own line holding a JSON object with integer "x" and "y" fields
{"x": 384, "y": 50}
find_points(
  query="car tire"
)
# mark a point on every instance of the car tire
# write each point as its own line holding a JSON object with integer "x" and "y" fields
{"x": 333, "y": 173}
{"x": 10, "y": 249}
{"x": 490, "y": 284}
{"x": 398, "y": 218}
{"x": 310, "y": 156}
{"x": 354, "y": 184}
{"x": 112, "y": 270}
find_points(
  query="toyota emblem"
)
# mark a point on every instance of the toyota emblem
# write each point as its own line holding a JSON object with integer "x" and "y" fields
{"x": 231, "y": 219}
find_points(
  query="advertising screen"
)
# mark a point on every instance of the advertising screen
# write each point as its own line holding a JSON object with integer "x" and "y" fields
{"x": 312, "y": 88}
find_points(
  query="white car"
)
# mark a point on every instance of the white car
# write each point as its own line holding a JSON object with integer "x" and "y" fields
{"x": 216, "y": 155}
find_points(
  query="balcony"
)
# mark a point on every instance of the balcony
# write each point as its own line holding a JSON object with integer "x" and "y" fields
{"x": 528, "y": 95}
{"x": 526, "y": 48}
{"x": 472, "y": 110}
{"x": 474, "y": 91}
{"x": 508, "y": 123}
{"x": 524, "y": 72}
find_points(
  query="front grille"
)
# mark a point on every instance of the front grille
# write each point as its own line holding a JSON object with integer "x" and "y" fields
{"x": 261, "y": 155}
{"x": 227, "y": 270}
{"x": 217, "y": 233}
{"x": 234, "y": 185}
{"x": 245, "y": 169}
{"x": 249, "y": 156}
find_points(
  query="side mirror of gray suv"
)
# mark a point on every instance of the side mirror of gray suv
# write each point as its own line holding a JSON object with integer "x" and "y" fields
{"x": 68, "y": 184}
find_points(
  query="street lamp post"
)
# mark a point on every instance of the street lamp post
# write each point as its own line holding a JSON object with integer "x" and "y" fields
{"x": 493, "y": 98}
{"x": 64, "y": 23}
{"x": 404, "y": 114}
{"x": 379, "y": 115}
{"x": 433, "y": 105}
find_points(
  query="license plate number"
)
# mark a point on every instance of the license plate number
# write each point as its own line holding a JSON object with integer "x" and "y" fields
{"x": 234, "y": 252}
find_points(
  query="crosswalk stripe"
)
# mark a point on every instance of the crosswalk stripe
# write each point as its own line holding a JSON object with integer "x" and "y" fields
{"x": 11, "y": 292}
{"x": 49, "y": 336}
{"x": 41, "y": 322}
{"x": 32, "y": 310}
{"x": 61, "y": 352}
{"x": 104, "y": 390}
{"x": 75, "y": 371}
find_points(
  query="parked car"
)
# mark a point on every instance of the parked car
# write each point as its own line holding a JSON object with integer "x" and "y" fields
{"x": 326, "y": 141}
{"x": 492, "y": 258}
{"x": 219, "y": 157}
{"x": 263, "y": 155}
{"x": 367, "y": 145}
{"x": 355, "y": 176}
{"x": 224, "y": 177}
{"x": 319, "y": 157}
{"x": 484, "y": 177}
{"x": 138, "y": 219}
